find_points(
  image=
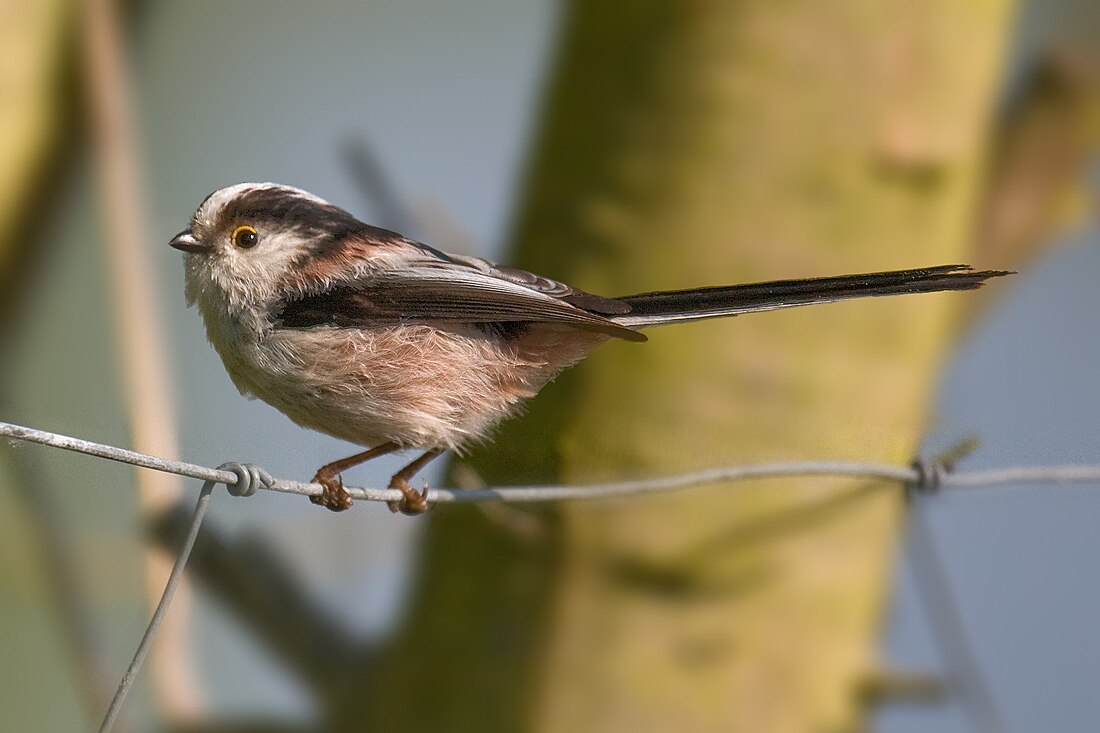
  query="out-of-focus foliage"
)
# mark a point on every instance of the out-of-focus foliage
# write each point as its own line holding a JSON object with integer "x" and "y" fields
{"x": 33, "y": 58}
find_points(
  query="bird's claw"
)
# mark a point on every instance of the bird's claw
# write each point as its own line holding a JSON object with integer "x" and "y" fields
{"x": 412, "y": 502}
{"x": 334, "y": 497}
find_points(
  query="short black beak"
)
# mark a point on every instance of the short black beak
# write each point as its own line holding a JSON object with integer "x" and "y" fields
{"x": 187, "y": 242}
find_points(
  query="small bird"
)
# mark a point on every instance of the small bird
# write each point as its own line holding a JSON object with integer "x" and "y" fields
{"x": 365, "y": 335}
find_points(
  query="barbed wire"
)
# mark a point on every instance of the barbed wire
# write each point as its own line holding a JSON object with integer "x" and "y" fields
{"x": 246, "y": 479}
{"x": 922, "y": 476}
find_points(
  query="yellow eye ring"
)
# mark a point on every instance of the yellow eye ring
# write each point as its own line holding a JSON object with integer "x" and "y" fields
{"x": 245, "y": 237}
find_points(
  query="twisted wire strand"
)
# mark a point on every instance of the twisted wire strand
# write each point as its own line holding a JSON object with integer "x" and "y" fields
{"x": 922, "y": 477}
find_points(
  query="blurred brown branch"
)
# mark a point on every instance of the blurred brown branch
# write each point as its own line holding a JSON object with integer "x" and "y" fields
{"x": 1043, "y": 138}
{"x": 145, "y": 369}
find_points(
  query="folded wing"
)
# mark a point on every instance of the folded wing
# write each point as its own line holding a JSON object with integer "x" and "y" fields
{"x": 418, "y": 283}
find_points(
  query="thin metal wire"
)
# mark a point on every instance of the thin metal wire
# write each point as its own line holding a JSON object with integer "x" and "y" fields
{"x": 122, "y": 455}
{"x": 127, "y": 681}
{"x": 921, "y": 477}
{"x": 946, "y": 619}
{"x": 243, "y": 480}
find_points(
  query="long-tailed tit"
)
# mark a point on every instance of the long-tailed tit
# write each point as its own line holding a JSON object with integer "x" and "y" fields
{"x": 367, "y": 336}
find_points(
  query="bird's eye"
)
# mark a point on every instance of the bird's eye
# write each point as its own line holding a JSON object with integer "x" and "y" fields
{"x": 245, "y": 237}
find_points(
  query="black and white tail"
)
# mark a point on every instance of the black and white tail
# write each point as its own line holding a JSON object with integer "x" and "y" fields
{"x": 681, "y": 306}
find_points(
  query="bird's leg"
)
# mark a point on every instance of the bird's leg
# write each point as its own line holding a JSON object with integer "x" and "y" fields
{"x": 414, "y": 502}
{"x": 335, "y": 496}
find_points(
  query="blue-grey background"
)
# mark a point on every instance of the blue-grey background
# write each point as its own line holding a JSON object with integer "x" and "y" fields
{"x": 445, "y": 93}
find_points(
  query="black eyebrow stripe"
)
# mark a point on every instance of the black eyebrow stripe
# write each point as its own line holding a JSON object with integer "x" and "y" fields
{"x": 282, "y": 207}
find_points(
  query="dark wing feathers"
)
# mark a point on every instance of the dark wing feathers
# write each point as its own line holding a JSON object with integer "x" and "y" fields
{"x": 405, "y": 281}
{"x": 427, "y": 285}
{"x": 541, "y": 284}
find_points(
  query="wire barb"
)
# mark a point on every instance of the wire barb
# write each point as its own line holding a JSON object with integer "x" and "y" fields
{"x": 928, "y": 479}
{"x": 250, "y": 477}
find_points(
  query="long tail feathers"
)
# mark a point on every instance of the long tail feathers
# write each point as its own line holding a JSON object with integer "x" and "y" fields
{"x": 680, "y": 306}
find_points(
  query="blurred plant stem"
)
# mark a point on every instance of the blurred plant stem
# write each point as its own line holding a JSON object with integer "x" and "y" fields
{"x": 37, "y": 138}
{"x": 145, "y": 372}
{"x": 33, "y": 64}
{"x": 704, "y": 143}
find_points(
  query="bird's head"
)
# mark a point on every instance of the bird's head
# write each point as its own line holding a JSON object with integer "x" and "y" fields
{"x": 246, "y": 242}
